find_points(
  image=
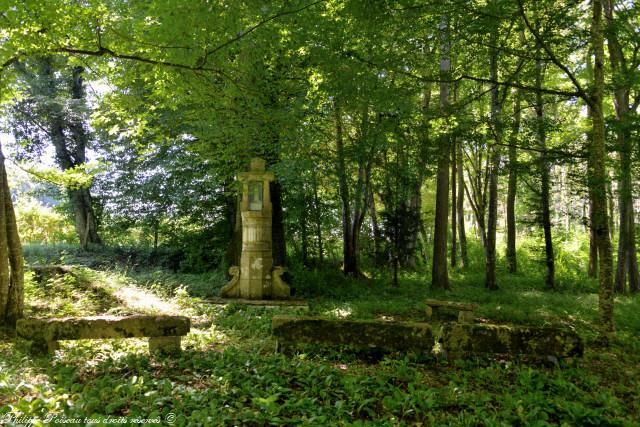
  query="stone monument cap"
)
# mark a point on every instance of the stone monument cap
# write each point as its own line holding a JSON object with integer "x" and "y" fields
{"x": 257, "y": 164}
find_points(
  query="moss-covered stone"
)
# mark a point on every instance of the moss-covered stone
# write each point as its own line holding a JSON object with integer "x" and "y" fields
{"x": 44, "y": 333}
{"x": 358, "y": 334}
{"x": 461, "y": 339}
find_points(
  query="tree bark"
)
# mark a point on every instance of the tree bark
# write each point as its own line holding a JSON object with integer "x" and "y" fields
{"x": 544, "y": 177}
{"x": 11, "y": 261}
{"x": 350, "y": 266}
{"x": 318, "y": 218}
{"x": 439, "y": 273}
{"x": 454, "y": 205}
{"x": 627, "y": 264}
{"x": 597, "y": 177}
{"x": 490, "y": 250}
{"x": 512, "y": 187}
{"x": 462, "y": 235}
{"x": 279, "y": 246}
{"x": 70, "y": 150}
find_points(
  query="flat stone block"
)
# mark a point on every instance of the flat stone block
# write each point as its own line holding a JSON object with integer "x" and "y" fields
{"x": 459, "y": 339}
{"x": 359, "y": 334}
{"x": 165, "y": 345}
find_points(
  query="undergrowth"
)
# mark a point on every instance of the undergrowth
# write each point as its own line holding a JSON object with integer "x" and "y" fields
{"x": 229, "y": 373}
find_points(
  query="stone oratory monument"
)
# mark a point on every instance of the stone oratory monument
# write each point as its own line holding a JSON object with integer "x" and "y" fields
{"x": 256, "y": 278}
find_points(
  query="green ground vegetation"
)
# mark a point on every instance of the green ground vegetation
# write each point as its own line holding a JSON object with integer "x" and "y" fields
{"x": 229, "y": 373}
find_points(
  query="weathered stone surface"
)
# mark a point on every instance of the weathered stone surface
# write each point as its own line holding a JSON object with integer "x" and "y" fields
{"x": 452, "y": 309}
{"x": 359, "y": 334}
{"x": 461, "y": 339}
{"x": 44, "y": 333}
{"x": 256, "y": 277}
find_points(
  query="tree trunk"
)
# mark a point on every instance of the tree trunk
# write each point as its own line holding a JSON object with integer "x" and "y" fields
{"x": 490, "y": 250}
{"x": 544, "y": 178}
{"x": 439, "y": 273}
{"x": 11, "y": 261}
{"x": 597, "y": 177}
{"x": 378, "y": 255}
{"x": 350, "y": 266}
{"x": 70, "y": 152}
{"x": 462, "y": 235}
{"x": 279, "y": 246}
{"x": 318, "y": 218}
{"x": 512, "y": 188}
{"x": 627, "y": 265}
{"x": 454, "y": 205}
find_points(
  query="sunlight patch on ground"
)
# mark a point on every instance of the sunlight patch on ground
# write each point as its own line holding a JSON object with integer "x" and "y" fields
{"x": 145, "y": 301}
{"x": 340, "y": 312}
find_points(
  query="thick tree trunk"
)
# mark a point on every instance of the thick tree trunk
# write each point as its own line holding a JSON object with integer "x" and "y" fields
{"x": 627, "y": 265}
{"x": 85, "y": 221}
{"x": 439, "y": 273}
{"x": 462, "y": 235}
{"x": 490, "y": 250}
{"x": 597, "y": 177}
{"x": 544, "y": 179}
{"x": 512, "y": 187}
{"x": 70, "y": 152}
{"x": 11, "y": 261}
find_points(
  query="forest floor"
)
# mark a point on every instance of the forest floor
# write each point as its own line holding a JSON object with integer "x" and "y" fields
{"x": 229, "y": 373}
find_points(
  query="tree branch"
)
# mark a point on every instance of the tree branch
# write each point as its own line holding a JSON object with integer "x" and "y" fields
{"x": 554, "y": 59}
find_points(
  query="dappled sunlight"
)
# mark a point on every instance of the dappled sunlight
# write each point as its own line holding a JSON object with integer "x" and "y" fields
{"x": 340, "y": 312}
{"x": 145, "y": 301}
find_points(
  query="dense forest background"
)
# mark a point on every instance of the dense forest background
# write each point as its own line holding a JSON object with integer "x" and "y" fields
{"x": 405, "y": 136}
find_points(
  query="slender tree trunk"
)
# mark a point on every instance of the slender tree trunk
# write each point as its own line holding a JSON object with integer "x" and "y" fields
{"x": 279, "y": 248}
{"x": 462, "y": 235}
{"x": 350, "y": 266}
{"x": 378, "y": 255}
{"x": 512, "y": 188}
{"x": 439, "y": 273}
{"x": 11, "y": 261}
{"x": 544, "y": 177}
{"x": 490, "y": 270}
{"x": 593, "y": 247}
{"x": 318, "y": 218}
{"x": 454, "y": 206}
{"x": 597, "y": 177}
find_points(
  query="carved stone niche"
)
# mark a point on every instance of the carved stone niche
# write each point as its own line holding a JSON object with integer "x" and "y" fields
{"x": 256, "y": 277}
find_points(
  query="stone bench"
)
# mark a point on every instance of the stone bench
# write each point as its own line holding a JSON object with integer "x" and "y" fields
{"x": 164, "y": 332}
{"x": 464, "y": 310}
{"x": 358, "y": 334}
{"x": 458, "y": 340}
{"x": 451, "y": 340}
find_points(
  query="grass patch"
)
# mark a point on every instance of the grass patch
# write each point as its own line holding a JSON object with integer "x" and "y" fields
{"x": 230, "y": 375}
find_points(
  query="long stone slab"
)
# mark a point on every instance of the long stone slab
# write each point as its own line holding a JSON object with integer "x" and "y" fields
{"x": 455, "y": 340}
{"x": 47, "y": 332}
{"x": 359, "y": 334}
{"x": 460, "y": 339}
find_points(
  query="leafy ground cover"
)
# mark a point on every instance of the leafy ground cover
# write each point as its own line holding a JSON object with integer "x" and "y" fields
{"x": 229, "y": 373}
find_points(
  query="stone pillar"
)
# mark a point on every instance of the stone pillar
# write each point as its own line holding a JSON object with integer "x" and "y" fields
{"x": 254, "y": 279}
